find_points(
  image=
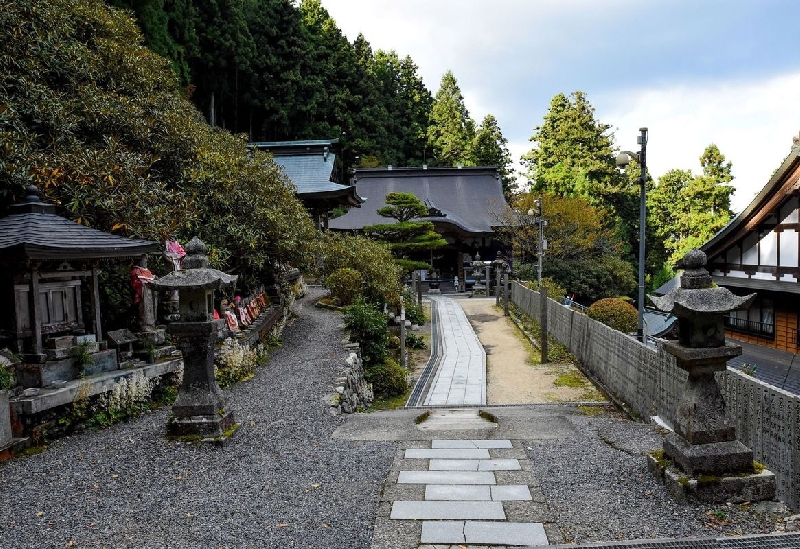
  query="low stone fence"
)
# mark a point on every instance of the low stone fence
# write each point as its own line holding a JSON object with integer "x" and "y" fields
{"x": 648, "y": 381}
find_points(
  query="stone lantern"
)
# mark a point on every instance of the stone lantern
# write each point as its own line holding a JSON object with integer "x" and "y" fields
{"x": 704, "y": 443}
{"x": 199, "y": 412}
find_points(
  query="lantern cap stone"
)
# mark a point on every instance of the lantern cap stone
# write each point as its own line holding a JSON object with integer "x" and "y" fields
{"x": 697, "y": 295}
{"x": 196, "y": 274}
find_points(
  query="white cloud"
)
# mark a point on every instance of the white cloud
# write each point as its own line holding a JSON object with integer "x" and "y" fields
{"x": 752, "y": 123}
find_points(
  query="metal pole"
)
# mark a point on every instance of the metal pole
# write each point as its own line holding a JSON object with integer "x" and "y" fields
{"x": 642, "y": 225}
{"x": 541, "y": 252}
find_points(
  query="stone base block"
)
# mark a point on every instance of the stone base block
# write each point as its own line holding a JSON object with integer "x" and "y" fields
{"x": 715, "y": 458}
{"x": 104, "y": 361}
{"x": 713, "y": 489}
{"x": 216, "y": 429}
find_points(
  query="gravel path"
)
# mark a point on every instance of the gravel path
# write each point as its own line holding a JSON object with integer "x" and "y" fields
{"x": 600, "y": 489}
{"x": 280, "y": 482}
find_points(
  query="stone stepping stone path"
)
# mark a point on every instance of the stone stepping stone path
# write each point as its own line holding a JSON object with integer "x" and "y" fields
{"x": 462, "y": 493}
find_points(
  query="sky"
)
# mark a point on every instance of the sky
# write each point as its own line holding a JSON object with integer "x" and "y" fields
{"x": 694, "y": 72}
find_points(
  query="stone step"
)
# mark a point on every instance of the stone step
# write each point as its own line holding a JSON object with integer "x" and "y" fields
{"x": 447, "y": 510}
{"x": 466, "y": 492}
{"x": 486, "y": 533}
{"x": 474, "y": 465}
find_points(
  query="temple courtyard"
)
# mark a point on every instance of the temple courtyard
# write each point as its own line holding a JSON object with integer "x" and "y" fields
{"x": 494, "y": 472}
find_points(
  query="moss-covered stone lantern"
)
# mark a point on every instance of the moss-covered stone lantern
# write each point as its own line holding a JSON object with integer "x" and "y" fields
{"x": 199, "y": 412}
{"x": 704, "y": 443}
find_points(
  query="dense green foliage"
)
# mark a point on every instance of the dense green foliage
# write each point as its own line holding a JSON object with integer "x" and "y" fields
{"x": 583, "y": 255}
{"x": 344, "y": 285}
{"x": 451, "y": 129}
{"x": 388, "y": 378}
{"x": 490, "y": 148}
{"x": 368, "y": 326}
{"x": 685, "y": 210}
{"x": 406, "y": 237}
{"x": 371, "y": 258}
{"x": 99, "y": 123}
{"x": 615, "y": 313}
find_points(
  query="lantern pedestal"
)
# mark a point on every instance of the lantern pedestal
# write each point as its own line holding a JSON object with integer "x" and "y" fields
{"x": 199, "y": 411}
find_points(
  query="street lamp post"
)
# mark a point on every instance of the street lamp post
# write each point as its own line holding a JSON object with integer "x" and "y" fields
{"x": 623, "y": 159}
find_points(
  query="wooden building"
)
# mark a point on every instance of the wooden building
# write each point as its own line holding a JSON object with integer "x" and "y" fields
{"x": 317, "y": 173}
{"x": 464, "y": 205}
{"x": 759, "y": 252}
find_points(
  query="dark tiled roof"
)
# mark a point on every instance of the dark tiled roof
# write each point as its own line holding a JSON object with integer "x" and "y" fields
{"x": 470, "y": 198}
{"x": 32, "y": 231}
{"x": 310, "y": 165}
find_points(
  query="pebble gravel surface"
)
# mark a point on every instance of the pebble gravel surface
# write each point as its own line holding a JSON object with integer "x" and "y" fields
{"x": 599, "y": 489}
{"x": 281, "y": 481}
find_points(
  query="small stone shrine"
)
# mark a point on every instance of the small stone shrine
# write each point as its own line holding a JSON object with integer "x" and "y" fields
{"x": 199, "y": 412}
{"x": 710, "y": 464}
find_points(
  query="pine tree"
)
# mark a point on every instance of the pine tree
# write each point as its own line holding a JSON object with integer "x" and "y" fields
{"x": 406, "y": 237}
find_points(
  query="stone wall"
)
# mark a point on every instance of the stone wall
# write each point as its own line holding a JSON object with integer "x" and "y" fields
{"x": 649, "y": 382}
{"x": 352, "y": 390}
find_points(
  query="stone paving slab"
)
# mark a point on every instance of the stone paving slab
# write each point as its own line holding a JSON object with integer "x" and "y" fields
{"x": 513, "y": 492}
{"x": 446, "y": 477}
{"x": 474, "y": 465}
{"x": 492, "y": 533}
{"x": 499, "y": 465}
{"x": 471, "y": 444}
{"x": 454, "y": 464}
{"x": 447, "y": 510}
{"x": 504, "y": 533}
{"x": 458, "y": 492}
{"x": 447, "y": 453}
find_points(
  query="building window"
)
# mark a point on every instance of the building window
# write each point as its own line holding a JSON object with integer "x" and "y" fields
{"x": 759, "y": 319}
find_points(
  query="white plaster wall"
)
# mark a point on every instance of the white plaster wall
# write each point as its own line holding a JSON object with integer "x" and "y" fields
{"x": 769, "y": 249}
{"x": 789, "y": 241}
{"x": 750, "y": 250}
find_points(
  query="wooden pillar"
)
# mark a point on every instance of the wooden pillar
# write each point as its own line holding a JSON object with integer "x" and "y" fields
{"x": 36, "y": 311}
{"x": 96, "y": 302}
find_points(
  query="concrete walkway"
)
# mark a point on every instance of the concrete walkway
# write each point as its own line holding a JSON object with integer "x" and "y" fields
{"x": 460, "y": 377}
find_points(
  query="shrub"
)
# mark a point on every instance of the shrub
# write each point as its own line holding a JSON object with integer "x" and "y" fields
{"x": 388, "y": 378}
{"x": 415, "y": 341}
{"x": 415, "y": 313}
{"x": 369, "y": 327}
{"x": 616, "y": 313}
{"x": 374, "y": 260}
{"x": 344, "y": 285}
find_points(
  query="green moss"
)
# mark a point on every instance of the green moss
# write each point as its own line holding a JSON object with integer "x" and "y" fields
{"x": 422, "y": 417}
{"x": 487, "y": 416}
{"x": 705, "y": 480}
{"x": 683, "y": 480}
{"x": 33, "y": 450}
{"x": 660, "y": 458}
{"x": 758, "y": 467}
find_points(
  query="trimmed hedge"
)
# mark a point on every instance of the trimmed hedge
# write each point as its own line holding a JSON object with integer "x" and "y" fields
{"x": 615, "y": 313}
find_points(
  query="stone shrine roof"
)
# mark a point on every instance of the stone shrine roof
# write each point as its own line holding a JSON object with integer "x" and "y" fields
{"x": 32, "y": 230}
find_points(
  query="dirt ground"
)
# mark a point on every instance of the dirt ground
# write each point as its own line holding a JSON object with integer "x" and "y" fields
{"x": 514, "y": 374}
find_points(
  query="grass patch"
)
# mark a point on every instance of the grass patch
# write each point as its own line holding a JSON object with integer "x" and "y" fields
{"x": 391, "y": 403}
{"x": 422, "y": 417}
{"x": 571, "y": 379}
{"x": 593, "y": 411}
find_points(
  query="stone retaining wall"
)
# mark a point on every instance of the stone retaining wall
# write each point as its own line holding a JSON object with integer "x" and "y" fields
{"x": 767, "y": 419}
